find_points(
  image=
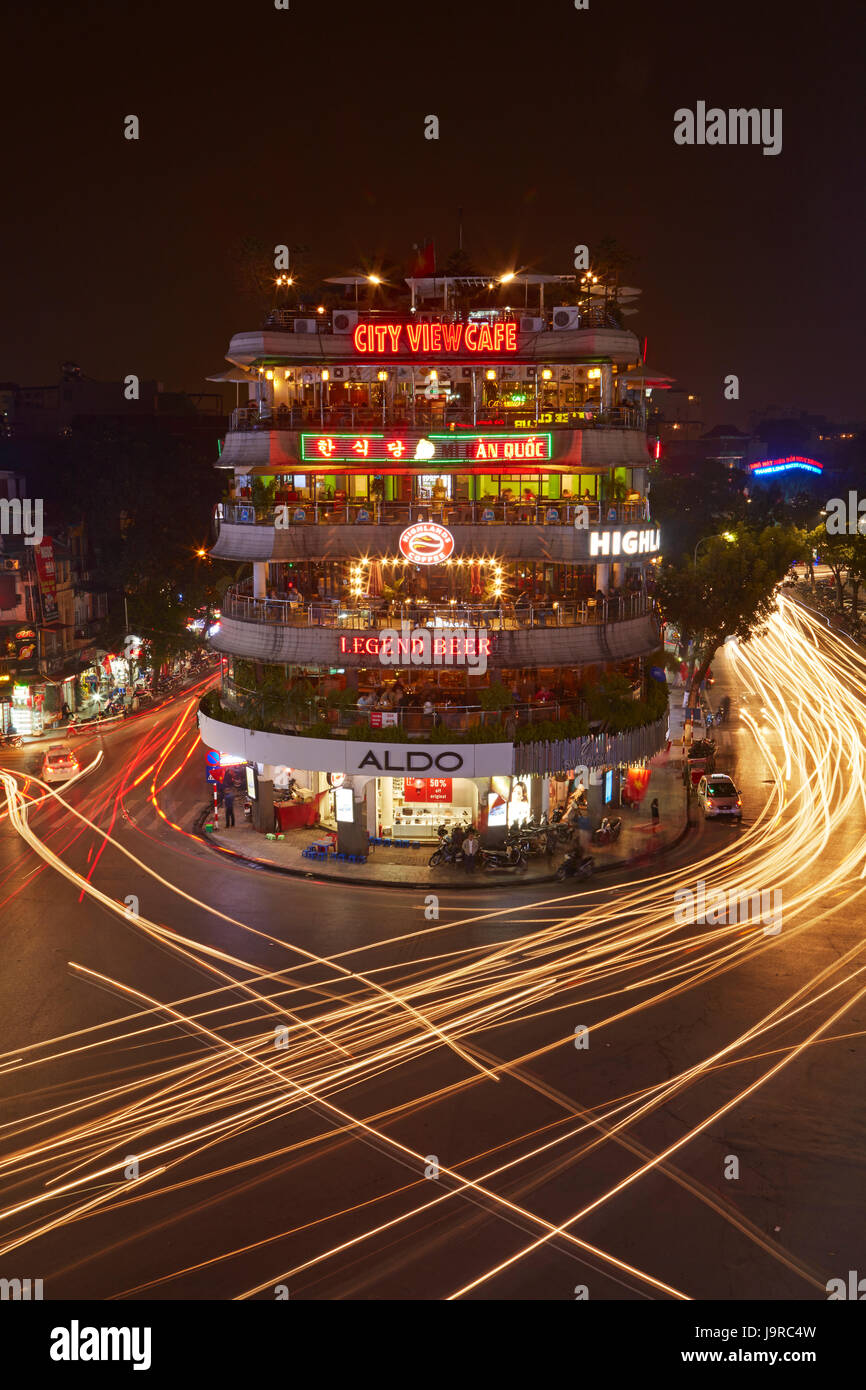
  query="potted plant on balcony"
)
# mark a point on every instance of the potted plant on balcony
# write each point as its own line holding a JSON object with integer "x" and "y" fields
{"x": 338, "y": 702}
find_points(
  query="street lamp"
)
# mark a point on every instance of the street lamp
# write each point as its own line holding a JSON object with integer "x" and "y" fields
{"x": 725, "y": 536}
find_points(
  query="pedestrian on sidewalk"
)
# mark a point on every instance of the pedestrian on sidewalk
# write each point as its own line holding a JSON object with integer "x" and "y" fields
{"x": 654, "y": 812}
{"x": 470, "y": 850}
{"x": 229, "y": 804}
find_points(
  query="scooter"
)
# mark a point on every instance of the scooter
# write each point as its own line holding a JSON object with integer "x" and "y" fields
{"x": 575, "y": 865}
{"x": 514, "y": 854}
{"x": 607, "y": 832}
{"x": 448, "y": 851}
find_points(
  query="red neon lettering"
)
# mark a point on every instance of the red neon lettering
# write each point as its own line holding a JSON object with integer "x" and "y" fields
{"x": 381, "y": 335}
{"x": 498, "y": 336}
{"x": 357, "y": 645}
{"x": 472, "y": 337}
{"x": 436, "y": 337}
{"x": 413, "y": 331}
{"x": 485, "y": 338}
{"x": 371, "y": 646}
{"x": 394, "y": 331}
{"x": 484, "y": 645}
{"x": 438, "y": 646}
{"x": 359, "y": 338}
{"x": 511, "y": 337}
{"x": 451, "y": 335}
{"x": 455, "y": 646}
{"x": 343, "y": 647}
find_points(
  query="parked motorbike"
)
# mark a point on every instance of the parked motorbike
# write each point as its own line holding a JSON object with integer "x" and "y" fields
{"x": 575, "y": 865}
{"x": 514, "y": 854}
{"x": 608, "y": 832}
{"x": 449, "y": 852}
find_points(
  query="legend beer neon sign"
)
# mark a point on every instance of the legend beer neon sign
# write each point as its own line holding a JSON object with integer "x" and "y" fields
{"x": 393, "y": 339}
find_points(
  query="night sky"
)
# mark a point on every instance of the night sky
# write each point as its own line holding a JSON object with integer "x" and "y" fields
{"x": 306, "y": 127}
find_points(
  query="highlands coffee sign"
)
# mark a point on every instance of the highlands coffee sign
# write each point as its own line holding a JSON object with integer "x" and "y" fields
{"x": 408, "y": 339}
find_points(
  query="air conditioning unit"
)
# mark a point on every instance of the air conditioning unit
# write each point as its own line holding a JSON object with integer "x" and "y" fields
{"x": 306, "y": 325}
{"x": 344, "y": 320}
{"x": 566, "y": 316}
{"x": 528, "y": 324}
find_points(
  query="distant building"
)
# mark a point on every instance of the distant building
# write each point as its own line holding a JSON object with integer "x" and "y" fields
{"x": 50, "y": 618}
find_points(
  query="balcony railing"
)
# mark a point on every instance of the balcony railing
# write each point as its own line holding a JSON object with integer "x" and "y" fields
{"x": 595, "y": 313}
{"x": 362, "y": 512}
{"x": 422, "y": 415}
{"x": 410, "y": 718}
{"x": 364, "y": 616}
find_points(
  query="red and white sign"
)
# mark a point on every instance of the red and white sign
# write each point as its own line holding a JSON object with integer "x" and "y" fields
{"x": 394, "y": 339}
{"x": 382, "y": 719}
{"x": 427, "y": 789}
{"x": 426, "y": 543}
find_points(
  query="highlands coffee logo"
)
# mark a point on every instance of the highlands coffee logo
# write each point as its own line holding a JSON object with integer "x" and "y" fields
{"x": 736, "y": 126}
{"x": 426, "y": 543}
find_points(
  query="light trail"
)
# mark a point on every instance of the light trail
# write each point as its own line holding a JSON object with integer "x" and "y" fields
{"x": 423, "y": 991}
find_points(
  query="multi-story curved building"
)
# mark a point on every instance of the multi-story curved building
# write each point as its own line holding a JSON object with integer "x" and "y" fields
{"x": 446, "y": 516}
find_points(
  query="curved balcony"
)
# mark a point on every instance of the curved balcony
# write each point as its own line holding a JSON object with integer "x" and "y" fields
{"x": 600, "y": 445}
{"x": 333, "y": 635}
{"x": 435, "y": 756}
{"x": 551, "y": 531}
{"x": 421, "y": 415}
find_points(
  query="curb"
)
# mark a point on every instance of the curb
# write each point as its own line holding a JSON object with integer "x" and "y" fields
{"x": 489, "y": 883}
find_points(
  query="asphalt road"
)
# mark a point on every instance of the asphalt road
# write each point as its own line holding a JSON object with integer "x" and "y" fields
{"x": 417, "y": 1041}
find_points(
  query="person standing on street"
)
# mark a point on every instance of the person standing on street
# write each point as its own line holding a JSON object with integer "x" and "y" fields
{"x": 470, "y": 850}
{"x": 229, "y": 804}
{"x": 654, "y": 812}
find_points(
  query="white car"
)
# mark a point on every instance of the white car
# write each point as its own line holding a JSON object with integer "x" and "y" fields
{"x": 59, "y": 764}
{"x": 719, "y": 797}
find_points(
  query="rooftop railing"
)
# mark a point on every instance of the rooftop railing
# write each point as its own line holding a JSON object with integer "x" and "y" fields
{"x": 593, "y": 314}
{"x": 365, "y": 615}
{"x": 423, "y": 416}
{"x": 357, "y": 511}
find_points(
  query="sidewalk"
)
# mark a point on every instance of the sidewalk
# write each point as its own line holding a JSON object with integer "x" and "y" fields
{"x": 639, "y": 842}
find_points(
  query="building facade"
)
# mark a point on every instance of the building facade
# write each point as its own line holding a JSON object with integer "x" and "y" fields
{"x": 446, "y": 517}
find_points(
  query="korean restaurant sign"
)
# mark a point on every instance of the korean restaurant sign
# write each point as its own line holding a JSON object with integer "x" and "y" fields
{"x": 408, "y": 339}
{"x": 426, "y": 543}
{"x": 433, "y": 448}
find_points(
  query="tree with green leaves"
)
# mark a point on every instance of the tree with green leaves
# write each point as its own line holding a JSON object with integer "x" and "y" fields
{"x": 728, "y": 591}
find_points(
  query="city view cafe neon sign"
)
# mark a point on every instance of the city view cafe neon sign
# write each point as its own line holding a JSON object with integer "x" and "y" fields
{"x": 392, "y": 339}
